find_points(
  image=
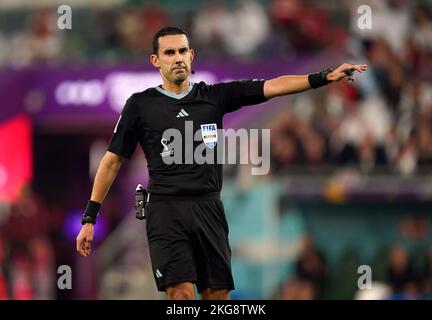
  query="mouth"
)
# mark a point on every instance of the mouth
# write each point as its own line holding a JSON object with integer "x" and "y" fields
{"x": 179, "y": 68}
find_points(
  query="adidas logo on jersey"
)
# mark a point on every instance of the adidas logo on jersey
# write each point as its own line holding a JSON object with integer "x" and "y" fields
{"x": 182, "y": 113}
{"x": 158, "y": 274}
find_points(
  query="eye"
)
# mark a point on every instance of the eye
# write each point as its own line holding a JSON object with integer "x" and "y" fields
{"x": 183, "y": 50}
{"x": 169, "y": 52}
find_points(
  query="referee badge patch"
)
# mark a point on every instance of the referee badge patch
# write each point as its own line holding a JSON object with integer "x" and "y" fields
{"x": 209, "y": 134}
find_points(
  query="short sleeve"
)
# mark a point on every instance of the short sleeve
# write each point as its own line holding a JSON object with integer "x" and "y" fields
{"x": 126, "y": 132}
{"x": 236, "y": 94}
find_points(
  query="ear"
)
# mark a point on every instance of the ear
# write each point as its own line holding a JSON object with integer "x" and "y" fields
{"x": 192, "y": 55}
{"x": 154, "y": 60}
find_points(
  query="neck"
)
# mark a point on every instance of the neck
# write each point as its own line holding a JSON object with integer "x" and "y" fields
{"x": 176, "y": 88}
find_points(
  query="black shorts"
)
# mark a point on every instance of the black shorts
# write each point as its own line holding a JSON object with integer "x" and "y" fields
{"x": 188, "y": 242}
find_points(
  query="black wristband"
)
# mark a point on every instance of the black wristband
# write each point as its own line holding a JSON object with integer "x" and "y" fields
{"x": 319, "y": 79}
{"x": 91, "y": 212}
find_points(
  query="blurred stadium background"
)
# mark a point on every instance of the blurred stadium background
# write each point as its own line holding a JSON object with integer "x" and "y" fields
{"x": 350, "y": 180}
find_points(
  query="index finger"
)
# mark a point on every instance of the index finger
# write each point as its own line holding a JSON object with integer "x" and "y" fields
{"x": 81, "y": 247}
{"x": 82, "y": 252}
{"x": 79, "y": 244}
{"x": 359, "y": 67}
{"x": 88, "y": 244}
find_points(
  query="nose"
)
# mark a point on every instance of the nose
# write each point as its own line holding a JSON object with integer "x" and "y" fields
{"x": 178, "y": 58}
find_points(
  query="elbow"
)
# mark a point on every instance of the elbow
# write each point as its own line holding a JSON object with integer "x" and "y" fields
{"x": 112, "y": 161}
{"x": 269, "y": 90}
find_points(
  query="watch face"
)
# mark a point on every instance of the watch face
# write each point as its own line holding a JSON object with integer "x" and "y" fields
{"x": 88, "y": 219}
{"x": 325, "y": 73}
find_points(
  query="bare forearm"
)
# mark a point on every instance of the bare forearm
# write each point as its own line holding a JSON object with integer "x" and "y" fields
{"x": 105, "y": 177}
{"x": 285, "y": 85}
{"x": 293, "y": 84}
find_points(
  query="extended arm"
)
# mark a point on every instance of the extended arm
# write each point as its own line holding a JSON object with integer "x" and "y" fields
{"x": 293, "y": 84}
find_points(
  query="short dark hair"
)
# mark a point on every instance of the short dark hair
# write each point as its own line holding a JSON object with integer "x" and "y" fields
{"x": 166, "y": 31}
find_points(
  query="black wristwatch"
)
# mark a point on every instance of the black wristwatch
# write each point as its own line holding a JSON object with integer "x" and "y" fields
{"x": 91, "y": 212}
{"x": 88, "y": 219}
{"x": 324, "y": 74}
{"x": 319, "y": 79}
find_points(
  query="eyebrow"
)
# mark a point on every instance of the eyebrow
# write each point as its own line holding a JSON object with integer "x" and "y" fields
{"x": 182, "y": 49}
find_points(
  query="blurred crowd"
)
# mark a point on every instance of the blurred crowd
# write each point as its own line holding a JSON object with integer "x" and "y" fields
{"x": 115, "y": 34}
{"x": 383, "y": 122}
{"x": 28, "y": 241}
{"x": 221, "y": 29}
{"x": 396, "y": 274}
{"x": 38, "y": 236}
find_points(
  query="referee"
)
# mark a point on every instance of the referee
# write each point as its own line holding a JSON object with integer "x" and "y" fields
{"x": 186, "y": 225}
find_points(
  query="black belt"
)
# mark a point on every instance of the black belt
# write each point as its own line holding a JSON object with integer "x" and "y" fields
{"x": 183, "y": 197}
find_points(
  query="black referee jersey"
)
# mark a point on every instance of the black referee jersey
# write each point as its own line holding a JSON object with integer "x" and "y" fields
{"x": 146, "y": 115}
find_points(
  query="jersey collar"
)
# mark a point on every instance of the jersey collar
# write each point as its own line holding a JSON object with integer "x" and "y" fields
{"x": 174, "y": 95}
